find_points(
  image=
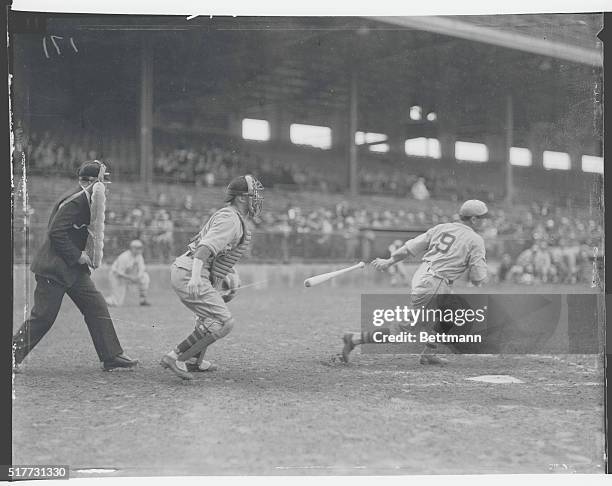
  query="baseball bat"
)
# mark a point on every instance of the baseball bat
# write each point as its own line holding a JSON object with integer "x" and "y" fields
{"x": 324, "y": 277}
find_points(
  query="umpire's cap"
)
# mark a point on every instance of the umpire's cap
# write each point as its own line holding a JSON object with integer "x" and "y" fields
{"x": 91, "y": 168}
{"x": 473, "y": 207}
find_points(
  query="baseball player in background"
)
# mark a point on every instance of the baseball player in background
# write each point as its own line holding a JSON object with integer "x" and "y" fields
{"x": 129, "y": 269}
{"x": 204, "y": 277}
{"x": 447, "y": 250}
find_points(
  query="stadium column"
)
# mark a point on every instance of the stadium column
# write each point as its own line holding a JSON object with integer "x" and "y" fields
{"x": 575, "y": 152}
{"x": 146, "y": 111}
{"x": 279, "y": 121}
{"x": 396, "y": 132}
{"x": 536, "y": 142}
{"x": 352, "y": 152}
{"x": 447, "y": 139}
{"x": 509, "y": 128}
{"x": 340, "y": 134}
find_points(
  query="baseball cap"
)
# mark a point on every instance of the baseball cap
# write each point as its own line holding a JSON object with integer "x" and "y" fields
{"x": 473, "y": 207}
{"x": 238, "y": 185}
{"x": 243, "y": 185}
{"x": 136, "y": 244}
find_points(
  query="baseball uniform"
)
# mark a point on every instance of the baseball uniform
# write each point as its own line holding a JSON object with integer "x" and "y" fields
{"x": 132, "y": 265}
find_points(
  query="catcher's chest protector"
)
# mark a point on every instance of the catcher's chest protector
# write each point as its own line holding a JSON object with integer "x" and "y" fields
{"x": 225, "y": 261}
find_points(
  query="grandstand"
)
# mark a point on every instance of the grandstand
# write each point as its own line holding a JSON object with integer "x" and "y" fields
{"x": 486, "y": 115}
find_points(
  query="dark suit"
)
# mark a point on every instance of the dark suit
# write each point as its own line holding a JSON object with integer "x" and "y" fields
{"x": 58, "y": 272}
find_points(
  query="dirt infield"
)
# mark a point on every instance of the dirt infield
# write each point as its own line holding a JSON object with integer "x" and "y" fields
{"x": 277, "y": 406}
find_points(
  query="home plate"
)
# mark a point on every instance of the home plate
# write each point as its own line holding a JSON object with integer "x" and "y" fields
{"x": 496, "y": 379}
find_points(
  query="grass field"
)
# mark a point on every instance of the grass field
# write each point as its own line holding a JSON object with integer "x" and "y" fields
{"x": 277, "y": 406}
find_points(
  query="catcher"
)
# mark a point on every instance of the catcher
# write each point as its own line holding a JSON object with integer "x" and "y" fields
{"x": 204, "y": 277}
{"x": 447, "y": 250}
{"x": 62, "y": 266}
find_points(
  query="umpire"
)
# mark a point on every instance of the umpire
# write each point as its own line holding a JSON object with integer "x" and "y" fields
{"x": 61, "y": 266}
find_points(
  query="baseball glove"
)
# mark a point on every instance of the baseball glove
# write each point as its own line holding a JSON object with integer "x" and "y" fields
{"x": 229, "y": 286}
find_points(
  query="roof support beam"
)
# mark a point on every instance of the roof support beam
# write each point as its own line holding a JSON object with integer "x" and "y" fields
{"x": 353, "y": 123}
{"x": 146, "y": 112}
{"x": 466, "y": 30}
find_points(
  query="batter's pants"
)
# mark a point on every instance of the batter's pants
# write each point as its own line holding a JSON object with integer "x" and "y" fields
{"x": 425, "y": 288}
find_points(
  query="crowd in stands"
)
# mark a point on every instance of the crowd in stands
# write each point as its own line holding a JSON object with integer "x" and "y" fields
{"x": 208, "y": 164}
{"x": 212, "y": 164}
{"x": 418, "y": 186}
{"x": 558, "y": 248}
{"x": 45, "y": 152}
{"x": 540, "y": 243}
{"x": 527, "y": 245}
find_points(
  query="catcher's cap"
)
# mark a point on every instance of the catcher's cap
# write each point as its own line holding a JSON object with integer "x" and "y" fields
{"x": 241, "y": 185}
{"x": 473, "y": 207}
{"x": 90, "y": 168}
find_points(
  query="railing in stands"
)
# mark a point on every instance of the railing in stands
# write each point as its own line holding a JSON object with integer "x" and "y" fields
{"x": 267, "y": 246}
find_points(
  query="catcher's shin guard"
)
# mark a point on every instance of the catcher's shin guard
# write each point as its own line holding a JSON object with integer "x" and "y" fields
{"x": 206, "y": 332}
{"x": 197, "y": 335}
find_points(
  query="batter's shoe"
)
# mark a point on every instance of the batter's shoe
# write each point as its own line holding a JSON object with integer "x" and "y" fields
{"x": 193, "y": 367}
{"x": 432, "y": 359}
{"x": 177, "y": 367}
{"x": 145, "y": 303}
{"x": 121, "y": 361}
{"x": 348, "y": 346}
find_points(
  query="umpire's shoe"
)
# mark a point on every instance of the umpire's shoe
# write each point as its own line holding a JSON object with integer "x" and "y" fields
{"x": 177, "y": 367}
{"x": 121, "y": 361}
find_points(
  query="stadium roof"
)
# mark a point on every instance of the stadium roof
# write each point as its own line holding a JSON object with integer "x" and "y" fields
{"x": 304, "y": 65}
{"x": 571, "y": 37}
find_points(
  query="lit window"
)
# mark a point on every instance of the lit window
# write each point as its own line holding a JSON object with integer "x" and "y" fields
{"x": 520, "y": 156}
{"x": 379, "y": 147}
{"x": 590, "y": 163}
{"x": 472, "y": 152}
{"x": 416, "y": 112}
{"x": 371, "y": 137}
{"x": 556, "y": 160}
{"x": 423, "y": 147}
{"x": 431, "y": 116}
{"x": 315, "y": 136}
{"x": 255, "y": 129}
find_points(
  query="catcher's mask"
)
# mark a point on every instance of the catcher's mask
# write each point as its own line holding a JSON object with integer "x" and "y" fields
{"x": 249, "y": 186}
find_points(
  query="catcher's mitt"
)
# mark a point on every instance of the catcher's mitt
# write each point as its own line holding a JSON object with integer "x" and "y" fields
{"x": 229, "y": 286}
